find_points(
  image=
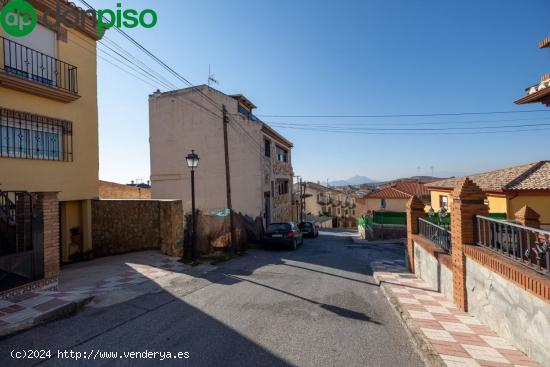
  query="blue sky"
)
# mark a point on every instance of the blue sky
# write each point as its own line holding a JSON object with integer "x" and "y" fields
{"x": 346, "y": 57}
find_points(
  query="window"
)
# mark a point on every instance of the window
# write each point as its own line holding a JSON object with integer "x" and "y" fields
{"x": 282, "y": 154}
{"x": 282, "y": 187}
{"x": 443, "y": 201}
{"x": 243, "y": 111}
{"x": 267, "y": 148}
{"x": 28, "y": 136}
{"x": 383, "y": 203}
{"x": 33, "y": 56}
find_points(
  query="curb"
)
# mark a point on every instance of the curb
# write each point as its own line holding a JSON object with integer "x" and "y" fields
{"x": 56, "y": 313}
{"x": 423, "y": 345}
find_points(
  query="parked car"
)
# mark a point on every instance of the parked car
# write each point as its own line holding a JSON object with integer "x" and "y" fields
{"x": 284, "y": 234}
{"x": 309, "y": 229}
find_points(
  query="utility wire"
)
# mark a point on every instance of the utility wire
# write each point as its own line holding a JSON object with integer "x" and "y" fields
{"x": 425, "y": 128}
{"x": 406, "y": 115}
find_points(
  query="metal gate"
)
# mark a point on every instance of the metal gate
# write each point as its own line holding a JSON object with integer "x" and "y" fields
{"x": 21, "y": 244}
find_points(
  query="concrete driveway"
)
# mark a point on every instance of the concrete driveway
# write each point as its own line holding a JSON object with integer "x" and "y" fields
{"x": 317, "y": 306}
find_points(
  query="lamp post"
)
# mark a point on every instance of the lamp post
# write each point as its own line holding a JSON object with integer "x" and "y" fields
{"x": 192, "y": 163}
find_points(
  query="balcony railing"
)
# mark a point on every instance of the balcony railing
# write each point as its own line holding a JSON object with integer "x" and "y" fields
{"x": 323, "y": 200}
{"x": 440, "y": 236}
{"x": 525, "y": 245}
{"x": 26, "y": 63}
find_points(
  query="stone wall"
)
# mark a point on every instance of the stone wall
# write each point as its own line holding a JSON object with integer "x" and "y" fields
{"x": 386, "y": 232}
{"x": 120, "y": 226}
{"x": 112, "y": 190}
{"x": 515, "y": 314}
{"x": 433, "y": 266}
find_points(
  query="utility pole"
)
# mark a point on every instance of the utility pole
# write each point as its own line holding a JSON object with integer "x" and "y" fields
{"x": 301, "y": 201}
{"x": 228, "y": 179}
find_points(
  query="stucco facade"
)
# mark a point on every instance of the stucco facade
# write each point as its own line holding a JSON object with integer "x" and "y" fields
{"x": 259, "y": 157}
{"x": 505, "y": 204}
{"x": 75, "y": 174}
{"x": 321, "y": 200}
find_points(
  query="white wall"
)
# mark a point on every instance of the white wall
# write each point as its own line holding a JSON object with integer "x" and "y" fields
{"x": 431, "y": 271}
{"x": 177, "y": 125}
{"x": 514, "y": 314}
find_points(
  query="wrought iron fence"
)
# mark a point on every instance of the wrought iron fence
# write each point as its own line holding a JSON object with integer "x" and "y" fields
{"x": 525, "y": 245}
{"x": 439, "y": 235}
{"x": 24, "y": 62}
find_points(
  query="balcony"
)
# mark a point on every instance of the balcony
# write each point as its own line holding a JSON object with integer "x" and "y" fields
{"x": 323, "y": 200}
{"x": 33, "y": 72}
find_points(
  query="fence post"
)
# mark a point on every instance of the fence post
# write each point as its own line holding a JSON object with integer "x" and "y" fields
{"x": 415, "y": 210}
{"x": 48, "y": 204}
{"x": 468, "y": 201}
{"x": 526, "y": 216}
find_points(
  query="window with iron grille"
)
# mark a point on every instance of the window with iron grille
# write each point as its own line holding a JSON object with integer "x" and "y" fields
{"x": 29, "y": 136}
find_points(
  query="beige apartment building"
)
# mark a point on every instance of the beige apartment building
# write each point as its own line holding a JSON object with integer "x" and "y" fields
{"x": 325, "y": 201}
{"x": 260, "y": 162}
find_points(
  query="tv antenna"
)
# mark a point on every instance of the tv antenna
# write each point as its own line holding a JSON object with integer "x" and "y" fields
{"x": 211, "y": 78}
{"x": 432, "y": 169}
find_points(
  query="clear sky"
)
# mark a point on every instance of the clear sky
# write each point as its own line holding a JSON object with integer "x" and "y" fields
{"x": 366, "y": 57}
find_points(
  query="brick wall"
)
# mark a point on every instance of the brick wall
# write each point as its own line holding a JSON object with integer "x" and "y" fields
{"x": 47, "y": 203}
{"x": 120, "y": 226}
{"x": 112, "y": 190}
{"x": 502, "y": 293}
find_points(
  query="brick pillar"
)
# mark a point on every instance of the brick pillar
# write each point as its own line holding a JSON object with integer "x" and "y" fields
{"x": 526, "y": 216}
{"x": 468, "y": 201}
{"x": 415, "y": 210}
{"x": 48, "y": 205}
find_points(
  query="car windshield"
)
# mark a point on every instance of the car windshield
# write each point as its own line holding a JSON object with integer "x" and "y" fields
{"x": 279, "y": 227}
{"x": 306, "y": 225}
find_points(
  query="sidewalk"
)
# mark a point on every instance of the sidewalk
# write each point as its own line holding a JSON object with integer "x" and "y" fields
{"x": 102, "y": 282}
{"x": 445, "y": 335}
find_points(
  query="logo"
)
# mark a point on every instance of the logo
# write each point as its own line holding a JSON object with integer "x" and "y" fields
{"x": 18, "y": 18}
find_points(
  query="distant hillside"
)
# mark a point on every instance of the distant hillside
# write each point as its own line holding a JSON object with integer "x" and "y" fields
{"x": 355, "y": 180}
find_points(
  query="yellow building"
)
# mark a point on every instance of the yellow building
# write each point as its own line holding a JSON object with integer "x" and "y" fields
{"x": 393, "y": 197}
{"x": 507, "y": 190}
{"x": 49, "y": 118}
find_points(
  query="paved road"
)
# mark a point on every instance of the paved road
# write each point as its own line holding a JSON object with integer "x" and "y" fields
{"x": 317, "y": 306}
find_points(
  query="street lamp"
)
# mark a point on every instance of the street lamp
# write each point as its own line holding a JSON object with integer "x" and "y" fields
{"x": 192, "y": 163}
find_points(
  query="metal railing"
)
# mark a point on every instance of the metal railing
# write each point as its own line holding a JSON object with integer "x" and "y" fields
{"x": 24, "y": 62}
{"x": 29, "y": 136}
{"x": 525, "y": 245}
{"x": 440, "y": 236}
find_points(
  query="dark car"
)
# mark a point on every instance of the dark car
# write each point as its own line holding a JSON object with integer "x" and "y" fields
{"x": 284, "y": 234}
{"x": 309, "y": 229}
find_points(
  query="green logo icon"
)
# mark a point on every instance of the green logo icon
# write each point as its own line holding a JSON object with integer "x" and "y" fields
{"x": 18, "y": 18}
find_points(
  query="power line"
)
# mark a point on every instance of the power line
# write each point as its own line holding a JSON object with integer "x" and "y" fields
{"x": 335, "y": 128}
{"x": 404, "y": 123}
{"x": 405, "y": 115}
{"x": 413, "y": 133}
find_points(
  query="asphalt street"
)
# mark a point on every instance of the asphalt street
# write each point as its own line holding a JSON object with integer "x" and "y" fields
{"x": 317, "y": 306}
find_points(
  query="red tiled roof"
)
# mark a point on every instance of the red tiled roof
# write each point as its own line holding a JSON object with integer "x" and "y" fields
{"x": 412, "y": 188}
{"x": 389, "y": 193}
{"x": 531, "y": 176}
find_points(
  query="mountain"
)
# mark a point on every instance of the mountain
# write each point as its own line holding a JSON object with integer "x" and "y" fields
{"x": 355, "y": 180}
